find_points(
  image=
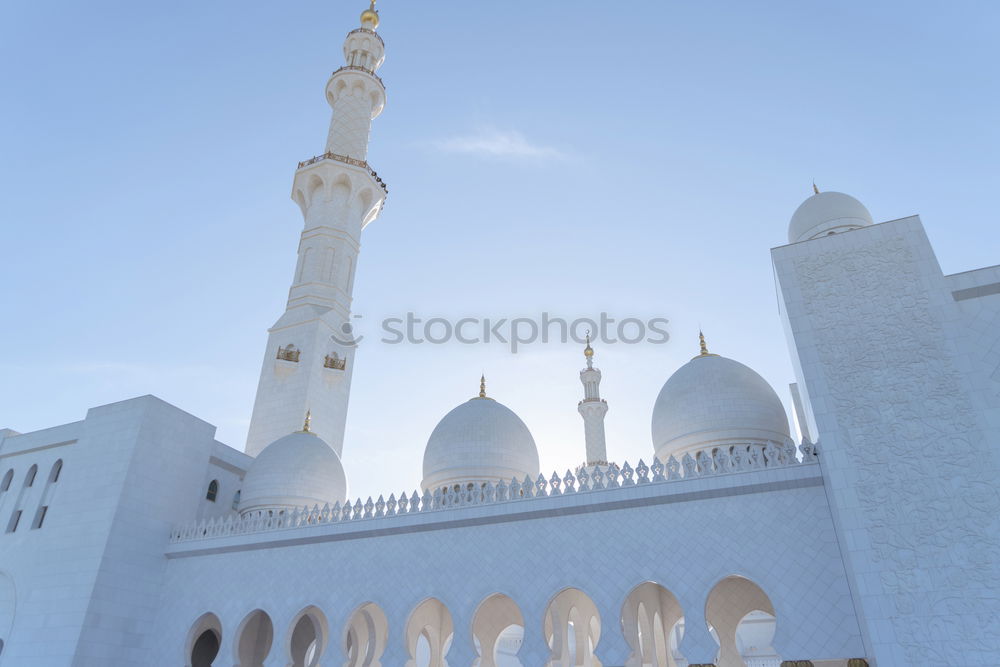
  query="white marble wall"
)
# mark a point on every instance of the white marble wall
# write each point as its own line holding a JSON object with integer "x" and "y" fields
{"x": 88, "y": 581}
{"x": 908, "y": 426}
{"x": 772, "y": 526}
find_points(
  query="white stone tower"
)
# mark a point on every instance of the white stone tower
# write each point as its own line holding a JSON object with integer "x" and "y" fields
{"x": 593, "y": 408}
{"x": 310, "y": 350}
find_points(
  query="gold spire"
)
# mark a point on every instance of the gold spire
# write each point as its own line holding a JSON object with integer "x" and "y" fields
{"x": 370, "y": 15}
{"x": 704, "y": 347}
{"x": 588, "y": 351}
{"x": 482, "y": 386}
{"x": 815, "y": 189}
{"x": 305, "y": 425}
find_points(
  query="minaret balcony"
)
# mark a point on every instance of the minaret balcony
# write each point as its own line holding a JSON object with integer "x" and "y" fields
{"x": 358, "y": 68}
{"x": 368, "y": 31}
{"x": 346, "y": 160}
{"x": 592, "y": 400}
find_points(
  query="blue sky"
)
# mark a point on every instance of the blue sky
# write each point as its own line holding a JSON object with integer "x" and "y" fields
{"x": 639, "y": 159}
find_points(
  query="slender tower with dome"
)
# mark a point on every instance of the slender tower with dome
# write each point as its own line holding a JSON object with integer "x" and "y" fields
{"x": 593, "y": 408}
{"x": 309, "y": 356}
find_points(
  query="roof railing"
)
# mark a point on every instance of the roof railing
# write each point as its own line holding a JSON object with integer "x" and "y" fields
{"x": 708, "y": 462}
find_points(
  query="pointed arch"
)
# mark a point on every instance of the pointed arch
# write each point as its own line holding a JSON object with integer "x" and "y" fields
{"x": 7, "y": 479}
{"x": 429, "y": 632}
{"x": 572, "y": 628}
{"x": 213, "y": 491}
{"x": 29, "y": 479}
{"x": 253, "y": 639}
{"x": 56, "y": 471}
{"x": 307, "y": 638}
{"x": 340, "y": 192}
{"x": 203, "y": 641}
{"x": 47, "y": 494}
{"x": 365, "y": 636}
{"x": 729, "y": 604}
{"x": 314, "y": 186}
{"x": 650, "y": 615}
{"x": 498, "y": 630}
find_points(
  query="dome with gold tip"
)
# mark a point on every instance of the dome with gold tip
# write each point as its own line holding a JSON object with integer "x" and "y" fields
{"x": 712, "y": 401}
{"x": 297, "y": 470}
{"x": 479, "y": 441}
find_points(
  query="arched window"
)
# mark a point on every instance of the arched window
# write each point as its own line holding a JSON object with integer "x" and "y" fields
{"x": 367, "y": 636}
{"x": 7, "y": 479}
{"x": 742, "y": 620}
{"x": 307, "y": 639}
{"x": 254, "y": 638}
{"x": 30, "y": 478}
{"x": 56, "y": 469}
{"x": 204, "y": 641}
{"x": 213, "y": 490}
{"x": 236, "y": 500}
{"x": 429, "y": 633}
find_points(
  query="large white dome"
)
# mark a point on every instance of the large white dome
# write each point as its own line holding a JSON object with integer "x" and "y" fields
{"x": 479, "y": 441}
{"x": 294, "y": 471}
{"x": 711, "y": 401}
{"x": 827, "y": 213}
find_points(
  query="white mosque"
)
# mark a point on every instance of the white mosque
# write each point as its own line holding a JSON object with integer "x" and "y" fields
{"x": 134, "y": 538}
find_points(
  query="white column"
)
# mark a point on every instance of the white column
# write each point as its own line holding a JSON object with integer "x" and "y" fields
{"x": 593, "y": 408}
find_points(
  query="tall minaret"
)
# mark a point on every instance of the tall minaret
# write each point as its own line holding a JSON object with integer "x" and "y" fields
{"x": 310, "y": 353}
{"x": 593, "y": 408}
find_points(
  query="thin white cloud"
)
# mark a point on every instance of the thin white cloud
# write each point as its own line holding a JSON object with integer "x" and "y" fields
{"x": 509, "y": 144}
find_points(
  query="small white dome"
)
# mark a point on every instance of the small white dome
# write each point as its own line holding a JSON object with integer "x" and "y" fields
{"x": 479, "y": 441}
{"x": 711, "y": 401}
{"x": 294, "y": 471}
{"x": 827, "y": 213}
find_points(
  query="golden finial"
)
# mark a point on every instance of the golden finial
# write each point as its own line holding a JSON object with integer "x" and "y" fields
{"x": 704, "y": 347}
{"x": 482, "y": 386}
{"x": 815, "y": 189}
{"x": 588, "y": 351}
{"x": 305, "y": 425}
{"x": 370, "y": 15}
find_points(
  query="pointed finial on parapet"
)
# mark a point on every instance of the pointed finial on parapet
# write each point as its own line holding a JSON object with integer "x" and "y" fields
{"x": 308, "y": 420}
{"x": 815, "y": 189}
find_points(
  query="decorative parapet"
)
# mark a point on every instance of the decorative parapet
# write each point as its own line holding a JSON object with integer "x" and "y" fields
{"x": 346, "y": 160}
{"x": 705, "y": 463}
